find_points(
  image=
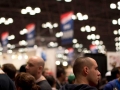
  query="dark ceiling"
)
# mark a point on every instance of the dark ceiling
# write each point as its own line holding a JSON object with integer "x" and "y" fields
{"x": 99, "y": 12}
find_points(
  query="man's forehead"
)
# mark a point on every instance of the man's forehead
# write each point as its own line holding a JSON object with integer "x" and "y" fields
{"x": 32, "y": 61}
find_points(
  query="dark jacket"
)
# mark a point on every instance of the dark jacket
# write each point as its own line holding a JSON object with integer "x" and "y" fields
{"x": 77, "y": 87}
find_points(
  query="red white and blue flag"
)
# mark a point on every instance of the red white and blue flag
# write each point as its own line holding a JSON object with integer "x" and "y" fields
{"x": 30, "y": 34}
{"x": 67, "y": 27}
{"x": 4, "y": 39}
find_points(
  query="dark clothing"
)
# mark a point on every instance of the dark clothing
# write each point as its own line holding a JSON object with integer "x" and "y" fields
{"x": 44, "y": 85}
{"x": 77, "y": 87}
{"x": 114, "y": 84}
{"x": 6, "y": 83}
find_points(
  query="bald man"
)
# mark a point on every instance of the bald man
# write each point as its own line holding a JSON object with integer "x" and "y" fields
{"x": 35, "y": 66}
{"x": 87, "y": 75}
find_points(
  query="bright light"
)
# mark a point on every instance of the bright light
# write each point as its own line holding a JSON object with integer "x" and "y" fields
{"x": 66, "y": 51}
{"x": 77, "y": 45}
{"x": 113, "y": 6}
{"x": 2, "y": 19}
{"x": 32, "y": 12}
{"x": 28, "y": 9}
{"x": 87, "y": 27}
{"x": 80, "y": 17}
{"x": 89, "y": 37}
{"x": 114, "y": 22}
{"x": 93, "y": 36}
{"x": 13, "y": 56}
{"x": 97, "y": 36}
{"x": 37, "y": 10}
{"x": 19, "y": 57}
{"x": 119, "y": 31}
{"x": 74, "y": 17}
{"x": 118, "y": 3}
{"x": 21, "y": 32}
{"x": 51, "y": 44}
{"x": 85, "y": 17}
{"x": 25, "y": 56}
{"x": 55, "y": 25}
{"x": 25, "y": 31}
{"x": 57, "y": 62}
{"x": 101, "y": 42}
{"x": 93, "y": 28}
{"x": 74, "y": 41}
{"x": 97, "y": 42}
{"x": 68, "y": 0}
{"x": 23, "y": 42}
{"x": 115, "y": 32}
{"x": 44, "y": 26}
{"x": 65, "y": 63}
{"x": 82, "y": 29}
{"x": 9, "y": 51}
{"x": 8, "y": 45}
{"x": 11, "y": 37}
{"x": 10, "y": 20}
{"x": 6, "y": 22}
{"x": 23, "y": 11}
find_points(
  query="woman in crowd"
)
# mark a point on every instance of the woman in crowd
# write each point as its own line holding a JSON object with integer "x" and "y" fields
{"x": 25, "y": 81}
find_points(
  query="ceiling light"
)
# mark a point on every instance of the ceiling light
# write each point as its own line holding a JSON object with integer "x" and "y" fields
{"x": 55, "y": 25}
{"x": 93, "y": 28}
{"x": 82, "y": 29}
{"x": 114, "y": 22}
{"x": 85, "y": 17}
{"x": 65, "y": 63}
{"x": 68, "y": 0}
{"x": 28, "y": 9}
{"x": 32, "y": 12}
{"x": 57, "y": 62}
{"x": 74, "y": 41}
{"x": 115, "y": 32}
{"x": 23, "y": 11}
{"x": 10, "y": 20}
{"x": 89, "y": 37}
{"x": 74, "y": 17}
{"x": 97, "y": 36}
{"x": 37, "y": 10}
{"x": 112, "y": 6}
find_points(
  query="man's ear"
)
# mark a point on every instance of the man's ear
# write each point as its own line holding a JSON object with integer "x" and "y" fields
{"x": 86, "y": 70}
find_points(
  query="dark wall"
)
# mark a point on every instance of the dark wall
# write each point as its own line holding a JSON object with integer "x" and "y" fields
{"x": 101, "y": 60}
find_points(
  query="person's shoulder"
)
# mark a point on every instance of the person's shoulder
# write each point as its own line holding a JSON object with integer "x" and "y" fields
{"x": 110, "y": 85}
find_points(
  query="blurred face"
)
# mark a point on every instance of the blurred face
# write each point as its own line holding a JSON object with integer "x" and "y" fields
{"x": 32, "y": 67}
{"x": 94, "y": 74}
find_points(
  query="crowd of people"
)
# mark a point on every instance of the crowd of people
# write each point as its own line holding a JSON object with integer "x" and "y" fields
{"x": 33, "y": 76}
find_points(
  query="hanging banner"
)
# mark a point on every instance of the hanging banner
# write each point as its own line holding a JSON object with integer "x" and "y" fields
{"x": 30, "y": 35}
{"x": 4, "y": 39}
{"x": 67, "y": 28}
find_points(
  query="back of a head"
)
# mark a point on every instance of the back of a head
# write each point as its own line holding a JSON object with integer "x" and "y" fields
{"x": 10, "y": 70}
{"x": 115, "y": 73}
{"x": 60, "y": 70}
{"x": 38, "y": 60}
{"x": 79, "y": 63}
{"x": 71, "y": 78}
{"x": 26, "y": 82}
{"x": 51, "y": 80}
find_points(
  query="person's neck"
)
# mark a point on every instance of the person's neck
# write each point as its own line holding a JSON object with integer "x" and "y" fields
{"x": 41, "y": 78}
{"x": 60, "y": 80}
{"x": 1, "y": 71}
{"x": 81, "y": 81}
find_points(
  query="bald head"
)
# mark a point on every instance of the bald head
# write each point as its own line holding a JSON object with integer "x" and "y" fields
{"x": 80, "y": 63}
{"x": 38, "y": 60}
